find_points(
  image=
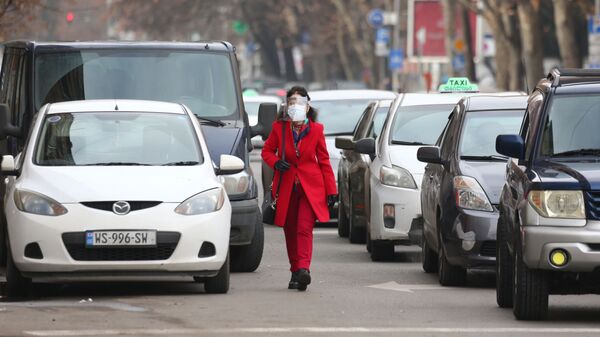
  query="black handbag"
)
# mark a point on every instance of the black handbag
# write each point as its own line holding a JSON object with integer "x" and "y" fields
{"x": 270, "y": 204}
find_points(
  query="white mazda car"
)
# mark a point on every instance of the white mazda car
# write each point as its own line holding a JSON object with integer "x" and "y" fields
{"x": 116, "y": 188}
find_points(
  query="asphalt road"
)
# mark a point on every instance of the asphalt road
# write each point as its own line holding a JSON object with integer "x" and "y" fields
{"x": 350, "y": 296}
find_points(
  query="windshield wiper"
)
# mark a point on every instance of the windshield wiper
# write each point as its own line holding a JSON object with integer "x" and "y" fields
{"x": 117, "y": 163}
{"x": 401, "y": 142}
{"x": 578, "y": 152}
{"x": 182, "y": 163}
{"x": 485, "y": 158}
{"x": 205, "y": 120}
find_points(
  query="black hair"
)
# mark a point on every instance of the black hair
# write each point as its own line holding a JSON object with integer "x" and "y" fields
{"x": 312, "y": 112}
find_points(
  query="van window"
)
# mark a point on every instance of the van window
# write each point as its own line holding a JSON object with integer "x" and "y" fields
{"x": 202, "y": 81}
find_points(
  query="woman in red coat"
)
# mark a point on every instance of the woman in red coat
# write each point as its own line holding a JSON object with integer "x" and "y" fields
{"x": 307, "y": 182}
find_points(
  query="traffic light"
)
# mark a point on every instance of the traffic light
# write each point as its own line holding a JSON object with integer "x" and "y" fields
{"x": 70, "y": 17}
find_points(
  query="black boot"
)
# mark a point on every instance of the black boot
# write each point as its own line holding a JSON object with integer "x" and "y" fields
{"x": 303, "y": 279}
{"x": 294, "y": 281}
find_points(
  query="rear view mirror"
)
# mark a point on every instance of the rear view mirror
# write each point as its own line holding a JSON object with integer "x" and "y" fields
{"x": 511, "y": 146}
{"x": 267, "y": 113}
{"x": 8, "y": 166}
{"x": 344, "y": 143}
{"x": 366, "y": 146}
{"x": 6, "y": 127}
{"x": 429, "y": 154}
{"x": 230, "y": 165}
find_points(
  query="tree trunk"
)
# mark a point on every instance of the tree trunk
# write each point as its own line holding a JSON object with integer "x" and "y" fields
{"x": 449, "y": 7}
{"x": 466, "y": 35}
{"x": 565, "y": 33}
{"x": 502, "y": 73}
{"x": 341, "y": 49}
{"x": 290, "y": 66}
{"x": 531, "y": 37}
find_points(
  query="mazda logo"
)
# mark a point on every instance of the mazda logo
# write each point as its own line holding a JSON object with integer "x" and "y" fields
{"x": 121, "y": 207}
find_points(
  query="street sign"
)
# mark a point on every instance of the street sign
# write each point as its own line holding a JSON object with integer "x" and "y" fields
{"x": 458, "y": 84}
{"x": 381, "y": 49}
{"x": 375, "y": 18}
{"x": 382, "y": 35}
{"x": 239, "y": 27}
{"x": 396, "y": 59}
{"x": 594, "y": 42}
{"x": 458, "y": 62}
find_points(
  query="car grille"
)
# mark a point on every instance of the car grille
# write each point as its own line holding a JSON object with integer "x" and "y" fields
{"x": 108, "y": 205}
{"x": 593, "y": 204}
{"x": 166, "y": 242}
{"x": 488, "y": 248}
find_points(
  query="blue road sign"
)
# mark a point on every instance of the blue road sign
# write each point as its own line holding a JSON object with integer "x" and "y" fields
{"x": 594, "y": 25}
{"x": 458, "y": 62}
{"x": 382, "y": 35}
{"x": 375, "y": 17}
{"x": 396, "y": 59}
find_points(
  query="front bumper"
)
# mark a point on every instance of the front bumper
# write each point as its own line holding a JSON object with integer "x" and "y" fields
{"x": 49, "y": 233}
{"x": 243, "y": 221}
{"x": 472, "y": 241}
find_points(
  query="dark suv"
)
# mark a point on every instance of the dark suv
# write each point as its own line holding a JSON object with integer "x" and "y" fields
{"x": 549, "y": 226}
{"x": 203, "y": 76}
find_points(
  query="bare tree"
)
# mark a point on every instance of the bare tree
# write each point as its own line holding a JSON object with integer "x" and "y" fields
{"x": 531, "y": 36}
{"x": 565, "y": 33}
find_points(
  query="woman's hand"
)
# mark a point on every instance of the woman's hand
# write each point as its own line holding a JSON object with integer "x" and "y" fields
{"x": 331, "y": 199}
{"x": 282, "y": 165}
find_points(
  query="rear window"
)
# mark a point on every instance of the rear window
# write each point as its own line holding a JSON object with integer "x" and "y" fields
{"x": 420, "y": 124}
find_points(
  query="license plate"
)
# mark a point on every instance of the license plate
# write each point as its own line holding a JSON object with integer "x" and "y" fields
{"x": 120, "y": 238}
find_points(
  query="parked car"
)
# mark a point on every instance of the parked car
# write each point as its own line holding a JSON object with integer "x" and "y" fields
{"x": 460, "y": 189}
{"x": 252, "y": 105}
{"x": 79, "y": 202}
{"x": 393, "y": 204}
{"x": 202, "y": 75}
{"x": 352, "y": 168}
{"x": 548, "y": 238}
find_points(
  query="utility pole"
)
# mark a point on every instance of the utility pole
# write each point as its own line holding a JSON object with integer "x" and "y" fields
{"x": 397, "y": 45}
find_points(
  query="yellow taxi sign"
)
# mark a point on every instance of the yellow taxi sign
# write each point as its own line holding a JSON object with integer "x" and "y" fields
{"x": 458, "y": 84}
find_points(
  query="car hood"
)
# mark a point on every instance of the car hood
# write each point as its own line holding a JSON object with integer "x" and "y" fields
{"x": 74, "y": 184}
{"x": 584, "y": 175}
{"x": 405, "y": 156}
{"x": 490, "y": 175}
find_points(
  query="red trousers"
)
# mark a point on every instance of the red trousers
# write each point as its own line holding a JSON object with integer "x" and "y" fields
{"x": 299, "y": 230}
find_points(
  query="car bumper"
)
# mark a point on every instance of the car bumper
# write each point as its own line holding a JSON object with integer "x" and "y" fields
{"x": 61, "y": 240}
{"x": 472, "y": 240}
{"x": 243, "y": 221}
{"x": 407, "y": 208}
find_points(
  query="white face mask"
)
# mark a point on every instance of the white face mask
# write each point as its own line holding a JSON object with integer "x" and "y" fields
{"x": 297, "y": 112}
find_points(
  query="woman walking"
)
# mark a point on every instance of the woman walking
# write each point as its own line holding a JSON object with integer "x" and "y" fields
{"x": 307, "y": 182}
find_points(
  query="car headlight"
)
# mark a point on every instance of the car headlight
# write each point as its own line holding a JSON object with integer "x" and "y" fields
{"x": 558, "y": 204}
{"x": 35, "y": 203}
{"x": 470, "y": 195}
{"x": 396, "y": 176}
{"x": 202, "y": 203}
{"x": 236, "y": 183}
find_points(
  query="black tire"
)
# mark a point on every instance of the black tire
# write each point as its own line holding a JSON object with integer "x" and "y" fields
{"x": 218, "y": 284}
{"x": 429, "y": 259}
{"x": 355, "y": 234}
{"x": 369, "y": 243}
{"x": 3, "y": 239}
{"x": 382, "y": 250}
{"x": 343, "y": 228}
{"x": 246, "y": 259}
{"x": 449, "y": 275}
{"x": 530, "y": 301}
{"x": 17, "y": 286}
{"x": 504, "y": 269}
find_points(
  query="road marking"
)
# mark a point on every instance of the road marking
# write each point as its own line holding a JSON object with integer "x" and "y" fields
{"x": 319, "y": 330}
{"x": 76, "y": 304}
{"x": 325, "y": 232}
{"x": 407, "y": 288}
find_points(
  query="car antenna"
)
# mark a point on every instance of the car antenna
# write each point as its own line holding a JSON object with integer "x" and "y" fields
{"x": 116, "y": 107}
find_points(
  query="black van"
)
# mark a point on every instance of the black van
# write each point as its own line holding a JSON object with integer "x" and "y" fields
{"x": 202, "y": 75}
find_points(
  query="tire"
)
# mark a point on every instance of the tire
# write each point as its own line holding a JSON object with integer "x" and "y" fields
{"x": 343, "y": 228}
{"x": 530, "y": 301}
{"x": 3, "y": 249}
{"x": 504, "y": 269}
{"x": 449, "y": 275}
{"x": 369, "y": 242}
{"x": 218, "y": 284}
{"x": 429, "y": 259}
{"x": 382, "y": 250}
{"x": 355, "y": 234}
{"x": 246, "y": 259}
{"x": 17, "y": 286}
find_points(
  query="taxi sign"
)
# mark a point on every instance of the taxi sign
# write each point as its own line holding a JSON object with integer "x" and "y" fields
{"x": 250, "y": 93}
{"x": 458, "y": 84}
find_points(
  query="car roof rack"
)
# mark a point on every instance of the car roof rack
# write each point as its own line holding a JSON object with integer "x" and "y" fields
{"x": 557, "y": 75}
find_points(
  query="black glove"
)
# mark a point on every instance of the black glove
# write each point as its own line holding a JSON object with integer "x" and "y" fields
{"x": 331, "y": 199}
{"x": 282, "y": 165}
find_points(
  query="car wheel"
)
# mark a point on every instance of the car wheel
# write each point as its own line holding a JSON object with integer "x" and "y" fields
{"x": 356, "y": 234}
{"x": 17, "y": 286}
{"x": 429, "y": 259}
{"x": 530, "y": 301}
{"x": 219, "y": 284}
{"x": 342, "y": 219}
{"x": 3, "y": 239}
{"x": 504, "y": 269}
{"x": 246, "y": 259}
{"x": 382, "y": 250}
{"x": 448, "y": 274}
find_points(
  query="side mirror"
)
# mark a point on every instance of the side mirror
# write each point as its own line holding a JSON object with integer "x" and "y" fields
{"x": 344, "y": 143}
{"x": 511, "y": 146}
{"x": 8, "y": 167}
{"x": 366, "y": 146}
{"x": 6, "y": 127}
{"x": 429, "y": 154}
{"x": 267, "y": 113}
{"x": 230, "y": 165}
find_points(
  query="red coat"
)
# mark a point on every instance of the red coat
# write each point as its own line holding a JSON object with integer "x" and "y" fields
{"x": 312, "y": 168}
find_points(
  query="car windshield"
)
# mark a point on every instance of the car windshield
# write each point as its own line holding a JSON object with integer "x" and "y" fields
{"x": 420, "y": 124}
{"x": 339, "y": 116}
{"x": 117, "y": 138}
{"x": 480, "y": 129}
{"x": 202, "y": 81}
{"x": 572, "y": 126}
